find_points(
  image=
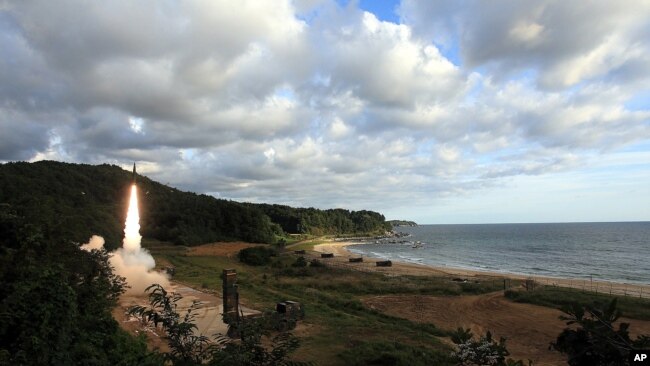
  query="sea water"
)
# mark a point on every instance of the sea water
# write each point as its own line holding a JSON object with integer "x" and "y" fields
{"x": 618, "y": 252}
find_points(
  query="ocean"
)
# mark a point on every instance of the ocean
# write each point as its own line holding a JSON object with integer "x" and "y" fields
{"x": 608, "y": 251}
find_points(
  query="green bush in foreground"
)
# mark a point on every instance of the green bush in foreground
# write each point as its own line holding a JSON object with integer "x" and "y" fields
{"x": 188, "y": 349}
{"x": 596, "y": 341}
{"x": 482, "y": 352}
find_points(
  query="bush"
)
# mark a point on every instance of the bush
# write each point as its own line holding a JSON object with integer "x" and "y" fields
{"x": 485, "y": 351}
{"x": 316, "y": 263}
{"x": 300, "y": 262}
{"x": 596, "y": 341}
{"x": 186, "y": 348}
{"x": 256, "y": 256}
{"x": 297, "y": 272}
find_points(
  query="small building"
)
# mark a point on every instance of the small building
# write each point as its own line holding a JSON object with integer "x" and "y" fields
{"x": 384, "y": 264}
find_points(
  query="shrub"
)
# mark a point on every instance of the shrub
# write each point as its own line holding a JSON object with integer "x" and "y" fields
{"x": 316, "y": 263}
{"x": 186, "y": 348}
{"x": 300, "y": 262}
{"x": 485, "y": 351}
{"x": 256, "y": 256}
{"x": 596, "y": 341}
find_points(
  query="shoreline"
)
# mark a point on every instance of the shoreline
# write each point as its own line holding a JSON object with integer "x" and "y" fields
{"x": 340, "y": 250}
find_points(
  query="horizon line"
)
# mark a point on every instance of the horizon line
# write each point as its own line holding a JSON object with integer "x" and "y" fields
{"x": 541, "y": 222}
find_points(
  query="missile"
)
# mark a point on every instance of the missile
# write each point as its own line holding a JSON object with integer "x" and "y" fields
{"x": 134, "y": 173}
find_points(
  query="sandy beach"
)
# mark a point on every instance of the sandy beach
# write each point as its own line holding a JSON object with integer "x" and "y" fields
{"x": 341, "y": 255}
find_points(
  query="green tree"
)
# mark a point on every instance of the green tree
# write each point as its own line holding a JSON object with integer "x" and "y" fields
{"x": 56, "y": 302}
{"x": 186, "y": 347}
{"x": 249, "y": 351}
{"x": 596, "y": 341}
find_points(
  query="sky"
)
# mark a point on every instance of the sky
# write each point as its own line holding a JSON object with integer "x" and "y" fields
{"x": 447, "y": 111}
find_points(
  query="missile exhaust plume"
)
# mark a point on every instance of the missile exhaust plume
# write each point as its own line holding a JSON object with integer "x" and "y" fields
{"x": 132, "y": 236}
{"x": 132, "y": 261}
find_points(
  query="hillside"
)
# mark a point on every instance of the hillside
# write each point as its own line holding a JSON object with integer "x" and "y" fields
{"x": 75, "y": 201}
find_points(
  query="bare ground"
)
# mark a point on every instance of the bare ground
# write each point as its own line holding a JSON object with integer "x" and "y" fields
{"x": 529, "y": 329}
{"x": 155, "y": 340}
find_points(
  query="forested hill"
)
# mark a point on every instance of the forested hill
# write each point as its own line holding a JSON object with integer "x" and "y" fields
{"x": 75, "y": 201}
{"x": 320, "y": 222}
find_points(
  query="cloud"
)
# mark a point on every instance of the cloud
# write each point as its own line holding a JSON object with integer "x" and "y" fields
{"x": 20, "y": 141}
{"x": 315, "y": 104}
{"x": 566, "y": 42}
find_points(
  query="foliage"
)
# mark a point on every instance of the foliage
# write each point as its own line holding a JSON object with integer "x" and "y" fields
{"x": 79, "y": 200}
{"x": 190, "y": 349}
{"x": 186, "y": 348}
{"x": 331, "y": 295}
{"x": 300, "y": 262}
{"x": 249, "y": 349}
{"x": 596, "y": 341}
{"x": 316, "y": 263}
{"x": 485, "y": 351}
{"x": 461, "y": 335}
{"x": 56, "y": 302}
{"x": 336, "y": 316}
{"x": 256, "y": 256}
{"x": 325, "y": 222}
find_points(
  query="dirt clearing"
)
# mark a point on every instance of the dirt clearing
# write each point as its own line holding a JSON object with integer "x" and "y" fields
{"x": 529, "y": 329}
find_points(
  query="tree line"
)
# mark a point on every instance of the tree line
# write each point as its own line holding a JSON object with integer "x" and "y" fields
{"x": 323, "y": 222}
{"x": 79, "y": 200}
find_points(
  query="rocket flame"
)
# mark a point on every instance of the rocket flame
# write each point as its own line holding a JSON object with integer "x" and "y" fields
{"x": 132, "y": 235}
{"x": 131, "y": 261}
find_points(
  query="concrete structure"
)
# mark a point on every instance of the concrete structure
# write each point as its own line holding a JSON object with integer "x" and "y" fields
{"x": 230, "y": 296}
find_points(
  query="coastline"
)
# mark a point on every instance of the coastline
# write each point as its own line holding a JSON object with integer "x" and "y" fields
{"x": 341, "y": 255}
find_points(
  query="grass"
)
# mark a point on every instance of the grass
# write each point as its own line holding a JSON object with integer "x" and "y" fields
{"x": 338, "y": 328}
{"x": 558, "y": 297}
{"x": 306, "y": 244}
{"x": 332, "y": 303}
{"x": 392, "y": 353}
{"x": 291, "y": 239}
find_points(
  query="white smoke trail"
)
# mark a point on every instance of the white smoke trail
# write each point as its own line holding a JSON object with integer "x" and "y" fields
{"x": 132, "y": 261}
